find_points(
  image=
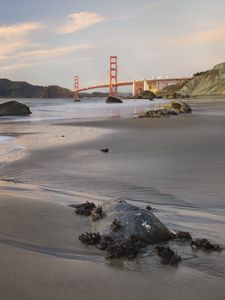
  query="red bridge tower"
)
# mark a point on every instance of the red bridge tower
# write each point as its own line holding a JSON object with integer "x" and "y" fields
{"x": 113, "y": 76}
{"x": 76, "y": 87}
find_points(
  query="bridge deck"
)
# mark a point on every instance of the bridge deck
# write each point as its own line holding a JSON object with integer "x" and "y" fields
{"x": 127, "y": 83}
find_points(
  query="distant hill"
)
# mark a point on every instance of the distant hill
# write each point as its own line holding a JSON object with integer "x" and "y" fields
{"x": 22, "y": 89}
{"x": 207, "y": 83}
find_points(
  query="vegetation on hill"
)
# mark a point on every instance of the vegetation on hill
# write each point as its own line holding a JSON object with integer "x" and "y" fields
{"x": 20, "y": 89}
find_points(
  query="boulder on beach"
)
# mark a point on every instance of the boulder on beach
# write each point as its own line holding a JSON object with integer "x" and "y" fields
{"x": 111, "y": 99}
{"x": 156, "y": 114}
{"x": 132, "y": 221}
{"x": 178, "y": 106}
{"x": 14, "y": 108}
{"x": 174, "y": 107}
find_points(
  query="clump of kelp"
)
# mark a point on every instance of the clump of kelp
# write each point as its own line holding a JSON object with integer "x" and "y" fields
{"x": 84, "y": 209}
{"x": 205, "y": 245}
{"x": 89, "y": 209}
{"x": 167, "y": 255}
{"x": 132, "y": 246}
{"x": 129, "y": 248}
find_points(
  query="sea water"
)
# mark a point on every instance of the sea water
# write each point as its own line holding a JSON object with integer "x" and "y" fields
{"x": 66, "y": 110}
{"x": 87, "y": 109}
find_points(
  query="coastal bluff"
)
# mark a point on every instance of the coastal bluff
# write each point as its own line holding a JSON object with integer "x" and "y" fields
{"x": 22, "y": 89}
{"x": 207, "y": 83}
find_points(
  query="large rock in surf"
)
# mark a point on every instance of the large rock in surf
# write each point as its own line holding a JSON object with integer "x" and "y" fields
{"x": 147, "y": 95}
{"x": 111, "y": 99}
{"x": 178, "y": 106}
{"x": 14, "y": 108}
{"x": 133, "y": 221}
{"x": 174, "y": 107}
{"x": 157, "y": 114}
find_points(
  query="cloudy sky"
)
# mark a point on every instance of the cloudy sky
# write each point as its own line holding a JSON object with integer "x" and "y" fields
{"x": 49, "y": 41}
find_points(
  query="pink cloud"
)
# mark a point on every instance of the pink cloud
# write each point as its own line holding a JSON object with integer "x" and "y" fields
{"x": 209, "y": 36}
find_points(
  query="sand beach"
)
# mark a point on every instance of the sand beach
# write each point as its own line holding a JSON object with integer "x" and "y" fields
{"x": 175, "y": 164}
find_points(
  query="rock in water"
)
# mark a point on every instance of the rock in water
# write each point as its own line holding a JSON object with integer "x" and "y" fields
{"x": 133, "y": 221}
{"x": 178, "y": 107}
{"x": 147, "y": 95}
{"x": 174, "y": 107}
{"x": 14, "y": 108}
{"x": 111, "y": 99}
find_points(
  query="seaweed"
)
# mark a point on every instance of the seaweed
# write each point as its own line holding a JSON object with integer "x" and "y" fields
{"x": 105, "y": 242}
{"x": 129, "y": 248}
{"x": 116, "y": 225}
{"x": 205, "y": 244}
{"x": 97, "y": 213}
{"x": 183, "y": 235}
{"x": 167, "y": 255}
{"x": 90, "y": 238}
{"x": 84, "y": 209}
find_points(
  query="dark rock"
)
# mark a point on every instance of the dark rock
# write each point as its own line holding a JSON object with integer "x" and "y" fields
{"x": 84, "y": 209}
{"x": 174, "y": 107}
{"x": 147, "y": 95}
{"x": 127, "y": 229}
{"x": 167, "y": 255}
{"x": 205, "y": 244}
{"x": 133, "y": 221}
{"x": 14, "y": 108}
{"x": 104, "y": 150}
{"x": 179, "y": 107}
{"x": 111, "y": 99}
{"x": 159, "y": 113}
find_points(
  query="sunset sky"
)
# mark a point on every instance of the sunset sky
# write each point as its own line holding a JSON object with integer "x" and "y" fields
{"x": 49, "y": 41}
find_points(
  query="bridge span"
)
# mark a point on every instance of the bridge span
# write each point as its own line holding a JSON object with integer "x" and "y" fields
{"x": 138, "y": 86}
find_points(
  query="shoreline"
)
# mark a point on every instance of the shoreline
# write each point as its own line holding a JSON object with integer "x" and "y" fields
{"x": 25, "y": 138}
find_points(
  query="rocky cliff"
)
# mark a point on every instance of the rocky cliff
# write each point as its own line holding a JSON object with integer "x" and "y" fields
{"x": 208, "y": 83}
{"x": 19, "y": 89}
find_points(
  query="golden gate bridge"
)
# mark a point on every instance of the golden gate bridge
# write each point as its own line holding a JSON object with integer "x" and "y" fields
{"x": 138, "y": 86}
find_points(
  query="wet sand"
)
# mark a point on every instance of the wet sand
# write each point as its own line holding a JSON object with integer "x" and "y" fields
{"x": 176, "y": 164}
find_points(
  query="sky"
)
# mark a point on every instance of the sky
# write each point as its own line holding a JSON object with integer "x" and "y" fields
{"x": 48, "y": 42}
